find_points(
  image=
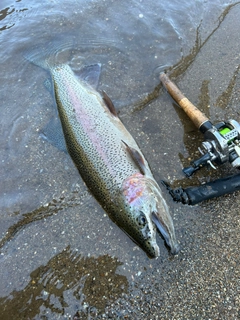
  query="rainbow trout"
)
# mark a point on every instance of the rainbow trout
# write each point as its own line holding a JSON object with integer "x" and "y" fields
{"x": 110, "y": 161}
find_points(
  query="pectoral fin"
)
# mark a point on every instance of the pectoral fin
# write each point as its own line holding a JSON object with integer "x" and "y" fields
{"x": 137, "y": 158}
{"x": 109, "y": 104}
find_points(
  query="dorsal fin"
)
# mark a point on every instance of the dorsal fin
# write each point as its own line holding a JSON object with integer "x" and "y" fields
{"x": 109, "y": 104}
{"x": 90, "y": 74}
{"x": 137, "y": 158}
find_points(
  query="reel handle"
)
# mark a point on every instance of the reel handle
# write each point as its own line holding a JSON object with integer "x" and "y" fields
{"x": 197, "y": 117}
{"x": 197, "y": 164}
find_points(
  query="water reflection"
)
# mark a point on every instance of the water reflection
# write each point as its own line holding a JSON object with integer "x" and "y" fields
{"x": 3, "y": 14}
{"x": 69, "y": 280}
{"x": 224, "y": 98}
{"x": 43, "y": 212}
{"x": 180, "y": 67}
{"x": 185, "y": 62}
{"x": 7, "y": 14}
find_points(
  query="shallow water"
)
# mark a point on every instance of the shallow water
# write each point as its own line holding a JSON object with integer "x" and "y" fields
{"x": 60, "y": 253}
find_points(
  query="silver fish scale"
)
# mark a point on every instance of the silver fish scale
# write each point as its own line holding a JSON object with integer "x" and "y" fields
{"x": 94, "y": 136}
{"x": 103, "y": 151}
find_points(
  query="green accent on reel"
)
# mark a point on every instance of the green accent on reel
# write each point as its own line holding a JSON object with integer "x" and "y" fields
{"x": 224, "y": 131}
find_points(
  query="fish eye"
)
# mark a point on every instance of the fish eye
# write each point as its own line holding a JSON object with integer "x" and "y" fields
{"x": 141, "y": 219}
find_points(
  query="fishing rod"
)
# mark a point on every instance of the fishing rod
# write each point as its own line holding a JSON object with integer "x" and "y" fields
{"x": 221, "y": 141}
{"x": 221, "y": 144}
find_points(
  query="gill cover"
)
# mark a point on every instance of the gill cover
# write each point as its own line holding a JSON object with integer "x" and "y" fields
{"x": 149, "y": 210}
{"x": 162, "y": 218}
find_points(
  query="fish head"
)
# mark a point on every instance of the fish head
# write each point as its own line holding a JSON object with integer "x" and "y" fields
{"x": 147, "y": 210}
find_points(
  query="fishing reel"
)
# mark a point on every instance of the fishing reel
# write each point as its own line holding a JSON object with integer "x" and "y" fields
{"x": 221, "y": 144}
{"x": 221, "y": 141}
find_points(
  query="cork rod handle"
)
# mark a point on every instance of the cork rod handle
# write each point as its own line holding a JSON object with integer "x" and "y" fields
{"x": 197, "y": 117}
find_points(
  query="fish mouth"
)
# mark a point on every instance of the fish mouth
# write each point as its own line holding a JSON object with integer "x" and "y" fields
{"x": 175, "y": 249}
{"x": 168, "y": 236}
{"x": 154, "y": 251}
